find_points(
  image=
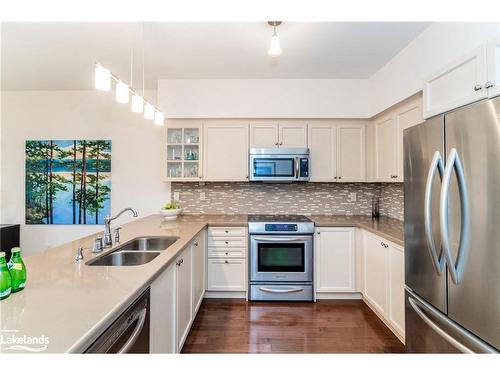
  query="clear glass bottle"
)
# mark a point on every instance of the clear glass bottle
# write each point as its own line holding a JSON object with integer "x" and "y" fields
{"x": 17, "y": 270}
{"x": 5, "y": 278}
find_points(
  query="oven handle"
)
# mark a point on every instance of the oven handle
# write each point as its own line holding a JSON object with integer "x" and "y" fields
{"x": 281, "y": 239}
{"x": 269, "y": 290}
{"x": 297, "y": 167}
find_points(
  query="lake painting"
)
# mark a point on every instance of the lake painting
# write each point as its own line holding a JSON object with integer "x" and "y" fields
{"x": 68, "y": 182}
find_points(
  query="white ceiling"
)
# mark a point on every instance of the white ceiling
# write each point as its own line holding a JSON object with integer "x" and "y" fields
{"x": 60, "y": 56}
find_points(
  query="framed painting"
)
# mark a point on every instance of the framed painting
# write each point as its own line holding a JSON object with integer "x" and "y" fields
{"x": 68, "y": 182}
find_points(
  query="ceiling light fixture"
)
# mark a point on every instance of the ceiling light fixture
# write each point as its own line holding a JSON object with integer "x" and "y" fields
{"x": 102, "y": 81}
{"x": 274, "y": 47}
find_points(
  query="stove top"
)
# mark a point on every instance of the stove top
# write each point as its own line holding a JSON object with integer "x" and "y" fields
{"x": 278, "y": 219}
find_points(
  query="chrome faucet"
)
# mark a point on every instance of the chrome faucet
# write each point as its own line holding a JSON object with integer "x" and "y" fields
{"x": 108, "y": 240}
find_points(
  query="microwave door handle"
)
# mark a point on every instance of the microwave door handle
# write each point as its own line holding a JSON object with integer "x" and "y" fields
{"x": 297, "y": 167}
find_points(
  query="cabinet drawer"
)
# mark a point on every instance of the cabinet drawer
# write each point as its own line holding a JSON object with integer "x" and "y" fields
{"x": 228, "y": 252}
{"x": 226, "y": 231}
{"x": 226, "y": 275}
{"x": 225, "y": 242}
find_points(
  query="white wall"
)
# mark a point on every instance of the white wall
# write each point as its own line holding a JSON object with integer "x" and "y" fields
{"x": 400, "y": 78}
{"x": 135, "y": 165}
{"x": 264, "y": 98}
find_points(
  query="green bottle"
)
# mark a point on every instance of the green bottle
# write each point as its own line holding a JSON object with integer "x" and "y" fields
{"x": 5, "y": 279}
{"x": 17, "y": 270}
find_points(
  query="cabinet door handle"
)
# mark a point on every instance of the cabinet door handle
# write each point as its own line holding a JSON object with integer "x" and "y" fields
{"x": 281, "y": 143}
{"x": 394, "y": 176}
{"x": 226, "y": 231}
{"x": 488, "y": 85}
{"x": 478, "y": 87}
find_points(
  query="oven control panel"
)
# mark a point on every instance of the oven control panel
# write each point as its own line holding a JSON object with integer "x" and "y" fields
{"x": 281, "y": 228}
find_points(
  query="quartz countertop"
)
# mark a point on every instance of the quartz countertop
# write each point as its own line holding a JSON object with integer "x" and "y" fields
{"x": 72, "y": 304}
{"x": 386, "y": 227}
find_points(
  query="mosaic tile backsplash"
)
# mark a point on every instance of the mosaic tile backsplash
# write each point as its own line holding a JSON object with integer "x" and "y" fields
{"x": 306, "y": 198}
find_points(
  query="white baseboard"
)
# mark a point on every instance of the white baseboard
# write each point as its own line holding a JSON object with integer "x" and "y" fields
{"x": 226, "y": 295}
{"x": 356, "y": 295}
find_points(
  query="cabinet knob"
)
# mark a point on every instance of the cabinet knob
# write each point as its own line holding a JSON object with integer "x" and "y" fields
{"x": 340, "y": 177}
{"x": 226, "y": 261}
{"x": 478, "y": 87}
{"x": 489, "y": 84}
{"x": 276, "y": 144}
{"x": 226, "y": 242}
{"x": 281, "y": 143}
{"x": 319, "y": 232}
{"x": 227, "y": 253}
{"x": 335, "y": 177}
{"x": 226, "y": 231}
{"x": 196, "y": 243}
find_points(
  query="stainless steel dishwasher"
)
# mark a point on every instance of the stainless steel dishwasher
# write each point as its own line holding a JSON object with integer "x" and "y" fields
{"x": 129, "y": 333}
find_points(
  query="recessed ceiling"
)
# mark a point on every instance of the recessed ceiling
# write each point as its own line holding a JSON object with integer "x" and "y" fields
{"x": 60, "y": 56}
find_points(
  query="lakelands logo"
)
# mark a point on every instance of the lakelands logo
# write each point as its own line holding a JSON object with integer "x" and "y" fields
{"x": 11, "y": 341}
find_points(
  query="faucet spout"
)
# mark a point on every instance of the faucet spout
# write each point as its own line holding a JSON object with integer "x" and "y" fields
{"x": 108, "y": 241}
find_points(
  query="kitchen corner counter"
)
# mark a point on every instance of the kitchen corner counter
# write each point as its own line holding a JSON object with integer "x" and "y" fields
{"x": 389, "y": 228}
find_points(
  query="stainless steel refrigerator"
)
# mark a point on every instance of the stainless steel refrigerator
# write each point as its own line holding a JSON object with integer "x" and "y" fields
{"x": 452, "y": 231}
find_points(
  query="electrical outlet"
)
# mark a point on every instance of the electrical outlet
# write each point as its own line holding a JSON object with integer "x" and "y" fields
{"x": 202, "y": 196}
{"x": 352, "y": 197}
{"x": 177, "y": 196}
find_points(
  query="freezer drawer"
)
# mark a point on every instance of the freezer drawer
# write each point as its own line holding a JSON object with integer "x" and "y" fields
{"x": 430, "y": 331}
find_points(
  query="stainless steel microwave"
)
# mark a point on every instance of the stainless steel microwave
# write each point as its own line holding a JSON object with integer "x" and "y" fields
{"x": 279, "y": 164}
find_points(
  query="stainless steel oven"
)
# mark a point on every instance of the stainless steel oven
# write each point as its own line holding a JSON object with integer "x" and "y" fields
{"x": 281, "y": 258}
{"x": 279, "y": 164}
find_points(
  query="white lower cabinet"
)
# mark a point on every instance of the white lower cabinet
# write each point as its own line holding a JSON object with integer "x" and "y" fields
{"x": 227, "y": 259}
{"x": 162, "y": 313}
{"x": 334, "y": 260}
{"x": 383, "y": 279}
{"x": 396, "y": 310}
{"x": 198, "y": 259}
{"x": 228, "y": 275}
{"x": 184, "y": 313}
{"x": 375, "y": 272}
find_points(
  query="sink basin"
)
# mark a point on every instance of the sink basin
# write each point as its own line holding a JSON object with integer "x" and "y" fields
{"x": 124, "y": 258}
{"x": 159, "y": 243}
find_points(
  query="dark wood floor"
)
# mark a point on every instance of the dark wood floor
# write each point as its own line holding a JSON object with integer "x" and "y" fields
{"x": 236, "y": 326}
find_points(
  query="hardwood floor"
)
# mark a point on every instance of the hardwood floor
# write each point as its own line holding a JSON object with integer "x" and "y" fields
{"x": 340, "y": 326}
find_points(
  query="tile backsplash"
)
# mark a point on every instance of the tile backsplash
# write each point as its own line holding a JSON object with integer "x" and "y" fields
{"x": 298, "y": 198}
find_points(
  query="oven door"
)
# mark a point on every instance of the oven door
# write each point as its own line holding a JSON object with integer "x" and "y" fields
{"x": 281, "y": 258}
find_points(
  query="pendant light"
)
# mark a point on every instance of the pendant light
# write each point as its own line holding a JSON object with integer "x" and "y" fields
{"x": 159, "y": 118}
{"x": 122, "y": 92}
{"x": 137, "y": 100}
{"x": 102, "y": 78}
{"x": 274, "y": 46}
{"x": 149, "y": 111}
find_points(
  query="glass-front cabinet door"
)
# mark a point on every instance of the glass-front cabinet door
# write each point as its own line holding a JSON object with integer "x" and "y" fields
{"x": 183, "y": 153}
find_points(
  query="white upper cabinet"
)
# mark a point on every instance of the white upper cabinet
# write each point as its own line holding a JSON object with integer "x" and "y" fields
{"x": 283, "y": 134}
{"x": 461, "y": 82}
{"x": 323, "y": 151}
{"x": 264, "y": 135}
{"x": 225, "y": 152}
{"x": 337, "y": 152}
{"x": 493, "y": 83}
{"x": 182, "y": 159}
{"x": 292, "y": 134}
{"x": 385, "y": 149}
{"x": 351, "y": 153}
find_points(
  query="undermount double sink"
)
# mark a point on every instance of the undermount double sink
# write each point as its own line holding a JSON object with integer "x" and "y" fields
{"x": 140, "y": 250}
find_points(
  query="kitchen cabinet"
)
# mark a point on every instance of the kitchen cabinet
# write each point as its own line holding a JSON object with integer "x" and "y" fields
{"x": 334, "y": 260}
{"x": 351, "y": 153}
{"x": 226, "y": 152}
{"x": 283, "y": 134}
{"x": 459, "y": 83}
{"x": 184, "y": 312}
{"x": 198, "y": 261}
{"x": 385, "y": 148}
{"x": 396, "y": 312}
{"x": 493, "y": 55}
{"x": 227, "y": 259}
{"x": 162, "y": 312}
{"x": 337, "y": 152}
{"x": 384, "y": 281}
{"x": 182, "y": 159}
{"x": 375, "y": 269}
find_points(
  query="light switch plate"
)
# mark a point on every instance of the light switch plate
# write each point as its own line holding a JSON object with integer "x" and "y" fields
{"x": 176, "y": 196}
{"x": 202, "y": 196}
{"x": 352, "y": 197}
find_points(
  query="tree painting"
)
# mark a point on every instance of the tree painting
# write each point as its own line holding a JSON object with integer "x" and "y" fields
{"x": 68, "y": 182}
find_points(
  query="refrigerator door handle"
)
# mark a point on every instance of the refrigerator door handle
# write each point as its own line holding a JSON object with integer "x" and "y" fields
{"x": 438, "y": 261}
{"x": 424, "y": 312}
{"x": 455, "y": 268}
